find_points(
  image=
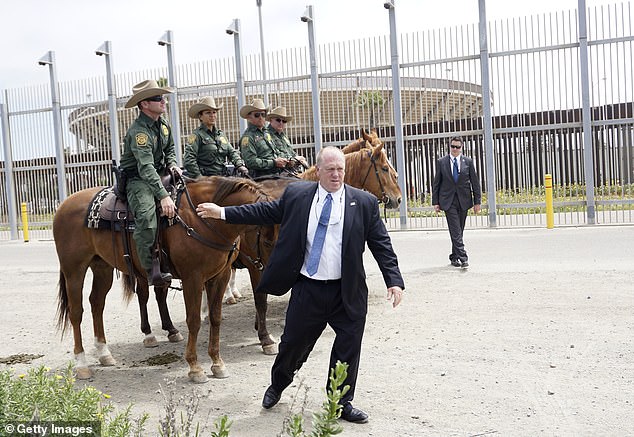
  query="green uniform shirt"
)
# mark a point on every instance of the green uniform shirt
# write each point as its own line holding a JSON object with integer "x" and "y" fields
{"x": 207, "y": 151}
{"x": 148, "y": 151}
{"x": 258, "y": 151}
{"x": 282, "y": 143}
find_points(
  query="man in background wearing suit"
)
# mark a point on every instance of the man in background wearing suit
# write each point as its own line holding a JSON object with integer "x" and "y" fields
{"x": 319, "y": 254}
{"x": 456, "y": 188}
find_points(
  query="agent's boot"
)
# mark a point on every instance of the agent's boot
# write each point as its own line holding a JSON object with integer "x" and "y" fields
{"x": 156, "y": 277}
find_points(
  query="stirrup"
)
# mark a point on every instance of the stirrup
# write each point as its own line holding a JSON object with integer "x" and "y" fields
{"x": 158, "y": 278}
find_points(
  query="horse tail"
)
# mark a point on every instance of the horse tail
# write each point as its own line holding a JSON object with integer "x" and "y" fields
{"x": 62, "y": 305}
{"x": 129, "y": 284}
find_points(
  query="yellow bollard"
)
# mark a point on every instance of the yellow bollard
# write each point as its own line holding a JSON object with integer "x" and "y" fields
{"x": 550, "y": 214}
{"x": 25, "y": 222}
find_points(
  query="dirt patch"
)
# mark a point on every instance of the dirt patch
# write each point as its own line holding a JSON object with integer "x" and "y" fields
{"x": 19, "y": 359}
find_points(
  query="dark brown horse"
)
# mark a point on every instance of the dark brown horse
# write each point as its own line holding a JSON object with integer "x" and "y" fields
{"x": 200, "y": 251}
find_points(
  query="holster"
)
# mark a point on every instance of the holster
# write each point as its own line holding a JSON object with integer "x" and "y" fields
{"x": 120, "y": 182}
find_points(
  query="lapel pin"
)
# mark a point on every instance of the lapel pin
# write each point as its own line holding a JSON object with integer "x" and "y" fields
{"x": 353, "y": 203}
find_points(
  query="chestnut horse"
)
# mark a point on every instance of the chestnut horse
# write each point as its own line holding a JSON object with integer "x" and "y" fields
{"x": 200, "y": 252}
{"x": 369, "y": 169}
{"x": 366, "y": 140}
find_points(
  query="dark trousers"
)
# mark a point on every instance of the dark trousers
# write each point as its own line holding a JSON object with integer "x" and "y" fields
{"x": 313, "y": 305}
{"x": 456, "y": 219}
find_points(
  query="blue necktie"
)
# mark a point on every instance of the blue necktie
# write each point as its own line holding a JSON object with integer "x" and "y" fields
{"x": 455, "y": 170}
{"x": 320, "y": 237}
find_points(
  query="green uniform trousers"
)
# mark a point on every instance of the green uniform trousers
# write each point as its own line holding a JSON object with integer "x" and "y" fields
{"x": 143, "y": 205}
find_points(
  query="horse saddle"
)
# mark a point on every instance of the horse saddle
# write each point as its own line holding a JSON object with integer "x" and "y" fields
{"x": 108, "y": 211}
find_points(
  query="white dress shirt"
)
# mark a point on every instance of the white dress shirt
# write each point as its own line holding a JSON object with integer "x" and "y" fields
{"x": 330, "y": 260}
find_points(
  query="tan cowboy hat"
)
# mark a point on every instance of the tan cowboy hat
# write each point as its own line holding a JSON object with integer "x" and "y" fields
{"x": 279, "y": 112}
{"x": 144, "y": 90}
{"x": 256, "y": 105}
{"x": 204, "y": 104}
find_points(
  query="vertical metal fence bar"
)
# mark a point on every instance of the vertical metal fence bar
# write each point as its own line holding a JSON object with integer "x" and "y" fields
{"x": 585, "y": 105}
{"x": 49, "y": 59}
{"x": 398, "y": 118}
{"x": 9, "y": 175}
{"x": 486, "y": 115}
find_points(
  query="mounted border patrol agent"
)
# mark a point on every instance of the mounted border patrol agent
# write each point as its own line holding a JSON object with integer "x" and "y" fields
{"x": 278, "y": 120}
{"x": 257, "y": 147}
{"x": 208, "y": 152}
{"x": 148, "y": 154}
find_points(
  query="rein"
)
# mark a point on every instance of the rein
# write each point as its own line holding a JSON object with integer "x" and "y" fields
{"x": 384, "y": 199}
{"x": 191, "y": 232}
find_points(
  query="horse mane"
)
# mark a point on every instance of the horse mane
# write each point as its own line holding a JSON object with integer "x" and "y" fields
{"x": 353, "y": 160}
{"x": 226, "y": 186}
{"x": 355, "y": 146}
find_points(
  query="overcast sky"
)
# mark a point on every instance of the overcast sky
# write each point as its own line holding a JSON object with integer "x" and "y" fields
{"x": 73, "y": 29}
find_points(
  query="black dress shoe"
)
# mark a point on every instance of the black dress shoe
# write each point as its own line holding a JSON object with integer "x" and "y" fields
{"x": 465, "y": 264}
{"x": 271, "y": 397}
{"x": 455, "y": 263}
{"x": 353, "y": 415}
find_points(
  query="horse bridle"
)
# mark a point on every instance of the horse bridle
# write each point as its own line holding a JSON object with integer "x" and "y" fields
{"x": 231, "y": 247}
{"x": 384, "y": 197}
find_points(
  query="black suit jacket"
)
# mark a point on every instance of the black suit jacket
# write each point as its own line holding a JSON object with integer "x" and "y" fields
{"x": 444, "y": 188}
{"x": 362, "y": 223}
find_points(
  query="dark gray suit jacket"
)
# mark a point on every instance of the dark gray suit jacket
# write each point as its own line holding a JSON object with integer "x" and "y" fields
{"x": 362, "y": 223}
{"x": 444, "y": 188}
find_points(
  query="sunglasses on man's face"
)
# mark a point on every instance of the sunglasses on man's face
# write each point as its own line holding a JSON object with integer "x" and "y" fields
{"x": 279, "y": 120}
{"x": 258, "y": 114}
{"x": 155, "y": 99}
{"x": 456, "y": 147}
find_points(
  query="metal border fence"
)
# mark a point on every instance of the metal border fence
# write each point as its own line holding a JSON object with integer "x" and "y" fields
{"x": 527, "y": 94}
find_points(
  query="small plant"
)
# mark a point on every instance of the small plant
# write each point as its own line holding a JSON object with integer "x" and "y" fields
{"x": 169, "y": 426}
{"x": 222, "y": 425}
{"x": 46, "y": 397}
{"x": 324, "y": 421}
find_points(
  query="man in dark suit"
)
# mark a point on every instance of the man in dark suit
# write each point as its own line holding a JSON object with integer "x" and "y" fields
{"x": 325, "y": 271}
{"x": 456, "y": 188}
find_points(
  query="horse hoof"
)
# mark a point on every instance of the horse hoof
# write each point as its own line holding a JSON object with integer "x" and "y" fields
{"x": 107, "y": 360}
{"x": 270, "y": 349}
{"x": 236, "y": 294}
{"x": 231, "y": 301}
{"x": 198, "y": 377}
{"x": 175, "y": 338}
{"x": 150, "y": 341}
{"x": 219, "y": 372}
{"x": 83, "y": 373}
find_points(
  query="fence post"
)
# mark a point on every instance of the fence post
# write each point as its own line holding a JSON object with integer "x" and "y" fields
{"x": 550, "y": 215}
{"x": 309, "y": 17}
{"x": 588, "y": 161}
{"x": 12, "y": 208}
{"x": 25, "y": 222}
{"x": 487, "y": 120}
{"x": 106, "y": 50}
{"x": 398, "y": 115}
{"x": 234, "y": 29}
{"x": 49, "y": 59}
{"x": 167, "y": 40}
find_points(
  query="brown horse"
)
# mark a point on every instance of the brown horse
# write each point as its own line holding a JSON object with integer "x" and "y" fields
{"x": 369, "y": 169}
{"x": 366, "y": 140}
{"x": 201, "y": 253}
